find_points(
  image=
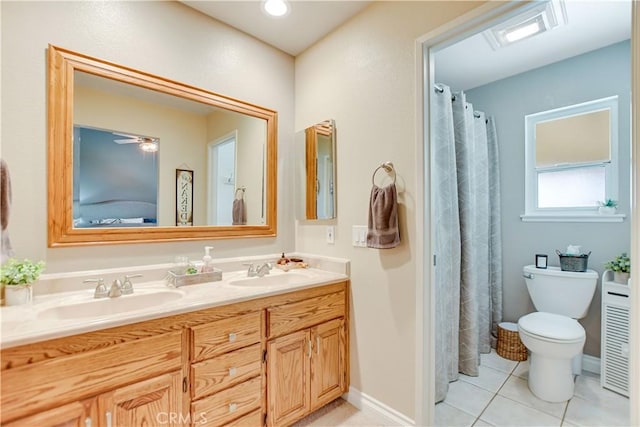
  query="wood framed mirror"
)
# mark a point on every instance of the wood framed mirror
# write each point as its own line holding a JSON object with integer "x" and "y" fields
{"x": 117, "y": 138}
{"x": 320, "y": 188}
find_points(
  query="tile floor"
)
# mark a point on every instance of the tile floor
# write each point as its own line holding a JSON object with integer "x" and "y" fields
{"x": 499, "y": 396}
{"x": 339, "y": 413}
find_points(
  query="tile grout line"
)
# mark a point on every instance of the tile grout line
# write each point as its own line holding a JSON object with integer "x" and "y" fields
{"x": 494, "y": 395}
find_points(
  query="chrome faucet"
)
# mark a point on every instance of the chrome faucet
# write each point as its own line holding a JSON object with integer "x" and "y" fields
{"x": 116, "y": 289}
{"x": 258, "y": 270}
{"x": 127, "y": 286}
{"x": 101, "y": 289}
{"x": 262, "y": 269}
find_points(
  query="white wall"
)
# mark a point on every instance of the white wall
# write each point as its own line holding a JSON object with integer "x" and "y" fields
{"x": 363, "y": 76}
{"x": 163, "y": 38}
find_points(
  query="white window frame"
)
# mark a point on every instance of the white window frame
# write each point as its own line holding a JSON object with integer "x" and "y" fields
{"x": 575, "y": 214}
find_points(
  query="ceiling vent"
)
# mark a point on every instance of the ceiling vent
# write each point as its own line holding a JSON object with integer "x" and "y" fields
{"x": 534, "y": 21}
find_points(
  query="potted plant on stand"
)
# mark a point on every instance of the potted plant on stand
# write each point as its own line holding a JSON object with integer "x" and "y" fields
{"x": 17, "y": 277}
{"x": 621, "y": 266}
{"x": 608, "y": 207}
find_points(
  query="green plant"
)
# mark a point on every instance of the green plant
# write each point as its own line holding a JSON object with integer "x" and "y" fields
{"x": 621, "y": 264}
{"x": 15, "y": 272}
{"x": 610, "y": 203}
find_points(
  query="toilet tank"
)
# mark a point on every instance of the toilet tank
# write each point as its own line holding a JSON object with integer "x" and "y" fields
{"x": 561, "y": 292}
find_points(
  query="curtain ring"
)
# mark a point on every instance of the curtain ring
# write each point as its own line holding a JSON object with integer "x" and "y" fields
{"x": 388, "y": 168}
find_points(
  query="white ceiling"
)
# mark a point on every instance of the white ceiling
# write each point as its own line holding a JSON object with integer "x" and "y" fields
{"x": 306, "y": 23}
{"x": 592, "y": 24}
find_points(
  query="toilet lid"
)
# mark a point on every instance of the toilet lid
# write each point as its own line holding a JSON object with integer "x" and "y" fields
{"x": 552, "y": 326}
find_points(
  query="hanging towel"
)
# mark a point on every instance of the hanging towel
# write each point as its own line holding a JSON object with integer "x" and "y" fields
{"x": 383, "y": 230}
{"x": 239, "y": 214}
{"x": 5, "y": 205}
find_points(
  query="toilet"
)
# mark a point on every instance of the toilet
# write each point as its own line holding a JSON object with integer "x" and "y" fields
{"x": 553, "y": 336}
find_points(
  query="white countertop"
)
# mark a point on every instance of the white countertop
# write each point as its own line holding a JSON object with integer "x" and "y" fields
{"x": 35, "y": 322}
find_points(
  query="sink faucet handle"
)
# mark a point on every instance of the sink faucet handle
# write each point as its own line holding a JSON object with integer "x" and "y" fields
{"x": 116, "y": 289}
{"x": 127, "y": 286}
{"x": 252, "y": 268}
{"x": 101, "y": 289}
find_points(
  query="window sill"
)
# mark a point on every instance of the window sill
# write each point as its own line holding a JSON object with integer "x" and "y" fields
{"x": 590, "y": 217}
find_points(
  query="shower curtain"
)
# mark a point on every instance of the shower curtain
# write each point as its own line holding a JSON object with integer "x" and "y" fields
{"x": 468, "y": 272}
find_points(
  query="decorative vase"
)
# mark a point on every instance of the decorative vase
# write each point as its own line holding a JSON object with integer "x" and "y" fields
{"x": 607, "y": 210}
{"x": 620, "y": 277}
{"x": 18, "y": 294}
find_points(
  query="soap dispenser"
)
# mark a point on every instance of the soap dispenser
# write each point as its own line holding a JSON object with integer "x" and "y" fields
{"x": 207, "y": 261}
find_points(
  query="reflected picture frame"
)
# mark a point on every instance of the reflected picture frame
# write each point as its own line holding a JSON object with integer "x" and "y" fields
{"x": 184, "y": 197}
{"x": 541, "y": 261}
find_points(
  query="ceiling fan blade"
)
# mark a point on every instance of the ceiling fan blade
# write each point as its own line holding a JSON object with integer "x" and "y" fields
{"x": 127, "y": 135}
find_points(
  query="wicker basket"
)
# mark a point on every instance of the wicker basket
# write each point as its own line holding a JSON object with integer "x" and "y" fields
{"x": 509, "y": 345}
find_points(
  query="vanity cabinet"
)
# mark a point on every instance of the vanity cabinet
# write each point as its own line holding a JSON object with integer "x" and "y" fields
{"x": 269, "y": 360}
{"x": 227, "y": 369}
{"x": 93, "y": 382}
{"x": 306, "y": 367}
{"x": 75, "y": 414}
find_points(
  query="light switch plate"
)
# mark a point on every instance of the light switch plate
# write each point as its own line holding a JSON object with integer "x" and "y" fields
{"x": 359, "y": 236}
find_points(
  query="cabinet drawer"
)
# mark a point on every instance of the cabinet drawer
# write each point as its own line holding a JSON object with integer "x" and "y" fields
{"x": 303, "y": 314}
{"x": 225, "y": 335}
{"x": 229, "y": 404}
{"x": 223, "y": 371}
{"x": 252, "y": 419}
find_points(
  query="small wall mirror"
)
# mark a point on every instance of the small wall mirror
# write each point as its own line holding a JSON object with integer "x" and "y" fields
{"x": 572, "y": 156}
{"x": 135, "y": 158}
{"x": 320, "y": 152}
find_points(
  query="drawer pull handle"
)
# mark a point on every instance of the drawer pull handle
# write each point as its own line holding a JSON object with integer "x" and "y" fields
{"x": 108, "y": 416}
{"x": 233, "y": 407}
{"x": 87, "y": 422}
{"x": 310, "y": 349}
{"x": 317, "y": 345}
{"x": 232, "y": 337}
{"x": 232, "y": 371}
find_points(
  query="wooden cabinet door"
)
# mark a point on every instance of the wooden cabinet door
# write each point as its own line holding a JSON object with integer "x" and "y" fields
{"x": 288, "y": 387}
{"x": 327, "y": 363}
{"x": 75, "y": 414}
{"x": 157, "y": 401}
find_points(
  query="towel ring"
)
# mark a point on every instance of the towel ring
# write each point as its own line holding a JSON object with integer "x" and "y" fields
{"x": 240, "y": 189}
{"x": 388, "y": 168}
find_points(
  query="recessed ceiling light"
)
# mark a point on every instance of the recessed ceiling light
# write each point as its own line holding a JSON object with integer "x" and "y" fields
{"x": 275, "y": 7}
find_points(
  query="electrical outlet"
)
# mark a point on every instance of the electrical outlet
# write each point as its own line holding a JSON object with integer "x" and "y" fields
{"x": 331, "y": 234}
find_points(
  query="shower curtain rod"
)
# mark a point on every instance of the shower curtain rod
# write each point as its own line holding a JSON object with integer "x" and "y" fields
{"x": 453, "y": 98}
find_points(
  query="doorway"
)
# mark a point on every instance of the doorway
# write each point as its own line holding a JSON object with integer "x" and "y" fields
{"x": 221, "y": 167}
{"x": 432, "y": 43}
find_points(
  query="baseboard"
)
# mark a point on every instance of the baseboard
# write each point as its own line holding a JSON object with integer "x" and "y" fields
{"x": 376, "y": 409}
{"x": 591, "y": 364}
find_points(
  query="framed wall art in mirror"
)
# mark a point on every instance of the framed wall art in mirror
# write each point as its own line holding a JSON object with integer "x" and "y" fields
{"x": 159, "y": 126}
{"x": 320, "y": 188}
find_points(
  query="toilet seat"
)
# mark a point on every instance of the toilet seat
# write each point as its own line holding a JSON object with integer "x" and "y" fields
{"x": 552, "y": 327}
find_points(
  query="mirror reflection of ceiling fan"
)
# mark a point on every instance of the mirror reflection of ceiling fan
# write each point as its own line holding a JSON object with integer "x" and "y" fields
{"x": 145, "y": 143}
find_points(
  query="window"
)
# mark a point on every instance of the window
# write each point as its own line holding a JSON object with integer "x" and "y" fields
{"x": 571, "y": 162}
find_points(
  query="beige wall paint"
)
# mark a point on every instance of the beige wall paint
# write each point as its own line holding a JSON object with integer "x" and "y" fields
{"x": 162, "y": 38}
{"x": 363, "y": 76}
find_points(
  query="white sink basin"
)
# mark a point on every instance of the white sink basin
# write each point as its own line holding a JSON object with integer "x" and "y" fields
{"x": 272, "y": 280}
{"x": 107, "y": 306}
